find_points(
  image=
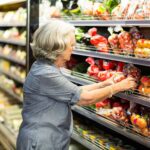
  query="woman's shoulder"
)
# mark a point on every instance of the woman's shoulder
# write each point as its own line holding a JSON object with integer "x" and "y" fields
{"x": 43, "y": 69}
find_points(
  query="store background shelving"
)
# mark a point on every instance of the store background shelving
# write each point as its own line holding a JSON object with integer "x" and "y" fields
{"x": 102, "y": 23}
{"x": 8, "y": 133}
{"x": 13, "y": 41}
{"x": 128, "y": 59}
{"x": 131, "y": 97}
{"x": 87, "y": 51}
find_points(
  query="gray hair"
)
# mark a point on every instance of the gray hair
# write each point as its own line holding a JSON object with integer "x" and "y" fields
{"x": 51, "y": 39}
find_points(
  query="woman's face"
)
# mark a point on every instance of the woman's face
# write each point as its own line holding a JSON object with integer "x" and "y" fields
{"x": 65, "y": 56}
{"x": 70, "y": 47}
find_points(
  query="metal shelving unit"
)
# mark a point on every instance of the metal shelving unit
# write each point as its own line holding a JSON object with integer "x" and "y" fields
{"x": 112, "y": 125}
{"x": 125, "y": 23}
{"x": 13, "y": 41}
{"x": 10, "y": 24}
{"x": 11, "y": 93}
{"x": 13, "y": 59}
{"x": 33, "y": 24}
{"x": 132, "y": 97}
{"x": 84, "y": 142}
{"x": 11, "y": 75}
{"x": 127, "y": 59}
{"x": 7, "y": 138}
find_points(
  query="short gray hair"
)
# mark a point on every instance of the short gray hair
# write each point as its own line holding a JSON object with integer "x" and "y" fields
{"x": 51, "y": 39}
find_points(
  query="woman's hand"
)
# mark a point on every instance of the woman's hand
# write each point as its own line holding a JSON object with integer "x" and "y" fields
{"x": 117, "y": 77}
{"x": 126, "y": 84}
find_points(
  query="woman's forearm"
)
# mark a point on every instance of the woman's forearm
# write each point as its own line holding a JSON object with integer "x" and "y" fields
{"x": 96, "y": 86}
{"x": 91, "y": 97}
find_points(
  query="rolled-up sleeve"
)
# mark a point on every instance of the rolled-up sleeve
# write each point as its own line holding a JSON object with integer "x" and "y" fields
{"x": 56, "y": 86}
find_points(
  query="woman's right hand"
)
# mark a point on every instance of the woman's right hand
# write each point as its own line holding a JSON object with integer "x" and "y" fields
{"x": 128, "y": 83}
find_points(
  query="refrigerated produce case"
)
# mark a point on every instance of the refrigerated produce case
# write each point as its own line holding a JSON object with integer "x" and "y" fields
{"x": 13, "y": 29}
{"x": 35, "y": 19}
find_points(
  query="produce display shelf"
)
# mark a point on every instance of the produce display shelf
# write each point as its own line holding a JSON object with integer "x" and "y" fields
{"x": 13, "y": 59}
{"x": 10, "y": 24}
{"x": 84, "y": 142}
{"x": 13, "y": 41}
{"x": 128, "y": 23}
{"x": 113, "y": 126}
{"x": 10, "y": 2}
{"x": 145, "y": 101}
{"x": 11, "y": 93}
{"x": 7, "y": 139}
{"x": 127, "y": 59}
{"x": 12, "y": 76}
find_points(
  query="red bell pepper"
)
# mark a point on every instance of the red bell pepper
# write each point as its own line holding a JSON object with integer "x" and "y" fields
{"x": 107, "y": 65}
{"x": 102, "y": 103}
{"x": 92, "y": 31}
{"x": 95, "y": 40}
{"x": 90, "y": 61}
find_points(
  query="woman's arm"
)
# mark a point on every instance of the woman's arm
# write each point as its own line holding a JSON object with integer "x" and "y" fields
{"x": 98, "y": 85}
{"x": 91, "y": 97}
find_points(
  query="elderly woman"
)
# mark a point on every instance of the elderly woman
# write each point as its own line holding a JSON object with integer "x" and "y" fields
{"x": 48, "y": 95}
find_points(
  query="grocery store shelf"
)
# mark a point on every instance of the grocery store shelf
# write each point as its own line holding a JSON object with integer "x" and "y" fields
{"x": 112, "y": 125}
{"x": 127, "y": 59}
{"x": 141, "y": 23}
{"x": 15, "y": 60}
{"x": 12, "y": 76}
{"x": 13, "y": 41}
{"x": 10, "y": 2}
{"x": 84, "y": 142}
{"x": 11, "y": 93}
{"x": 7, "y": 139}
{"x": 12, "y": 24}
{"x": 145, "y": 101}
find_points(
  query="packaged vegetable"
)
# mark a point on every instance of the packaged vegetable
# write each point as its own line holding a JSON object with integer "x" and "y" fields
{"x": 126, "y": 43}
{"x": 114, "y": 42}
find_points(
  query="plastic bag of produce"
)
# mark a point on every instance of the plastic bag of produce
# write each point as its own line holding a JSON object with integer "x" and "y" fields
{"x": 139, "y": 13}
{"x": 100, "y": 11}
{"x": 126, "y": 43}
{"x": 124, "y": 6}
{"x": 114, "y": 42}
{"x": 131, "y": 70}
{"x": 136, "y": 35}
{"x": 132, "y": 8}
{"x": 86, "y": 7}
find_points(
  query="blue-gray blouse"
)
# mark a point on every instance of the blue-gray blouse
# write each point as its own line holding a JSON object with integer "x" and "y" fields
{"x": 47, "y": 117}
